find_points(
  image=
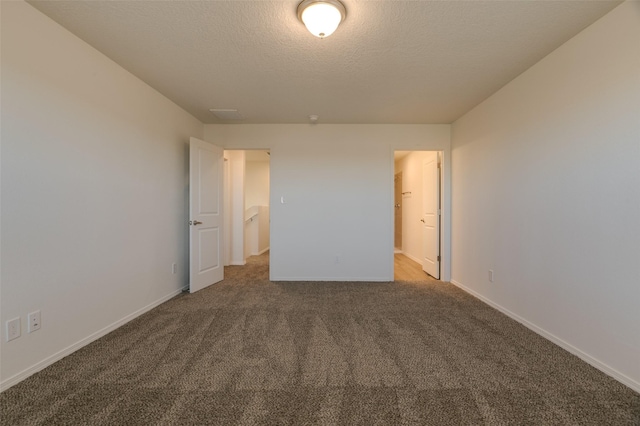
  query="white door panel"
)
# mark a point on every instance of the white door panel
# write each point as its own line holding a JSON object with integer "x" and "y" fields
{"x": 205, "y": 220}
{"x": 431, "y": 215}
{"x": 208, "y": 240}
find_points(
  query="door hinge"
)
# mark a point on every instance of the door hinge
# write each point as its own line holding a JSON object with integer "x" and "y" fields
{"x": 438, "y": 258}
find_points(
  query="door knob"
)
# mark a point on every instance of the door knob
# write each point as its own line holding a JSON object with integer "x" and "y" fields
{"x": 422, "y": 220}
{"x": 195, "y": 222}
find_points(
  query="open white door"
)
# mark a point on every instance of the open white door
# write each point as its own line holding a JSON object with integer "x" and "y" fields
{"x": 205, "y": 214}
{"x": 431, "y": 215}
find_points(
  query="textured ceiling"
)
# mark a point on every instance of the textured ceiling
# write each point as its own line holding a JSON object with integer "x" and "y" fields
{"x": 389, "y": 62}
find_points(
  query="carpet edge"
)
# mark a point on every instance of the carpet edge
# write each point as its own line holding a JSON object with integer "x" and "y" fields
{"x": 606, "y": 369}
{"x": 41, "y": 365}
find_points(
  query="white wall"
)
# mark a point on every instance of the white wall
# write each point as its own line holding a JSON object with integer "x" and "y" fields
{"x": 237, "y": 241}
{"x": 545, "y": 192}
{"x": 256, "y": 184}
{"x": 256, "y": 196}
{"x": 337, "y": 185}
{"x": 256, "y": 231}
{"x": 94, "y": 192}
{"x": 264, "y": 237}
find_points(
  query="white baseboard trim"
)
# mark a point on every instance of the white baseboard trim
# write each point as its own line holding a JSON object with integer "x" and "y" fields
{"x": 260, "y": 252}
{"x": 415, "y": 259}
{"x": 332, "y": 279}
{"x": 622, "y": 378}
{"x": 17, "y": 378}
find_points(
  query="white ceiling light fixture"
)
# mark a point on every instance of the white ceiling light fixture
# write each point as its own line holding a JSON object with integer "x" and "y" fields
{"x": 321, "y": 17}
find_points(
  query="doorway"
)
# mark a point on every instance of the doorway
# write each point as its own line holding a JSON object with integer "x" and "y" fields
{"x": 247, "y": 210}
{"x": 417, "y": 210}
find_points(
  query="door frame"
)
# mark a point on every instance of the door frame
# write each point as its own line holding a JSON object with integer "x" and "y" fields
{"x": 397, "y": 205}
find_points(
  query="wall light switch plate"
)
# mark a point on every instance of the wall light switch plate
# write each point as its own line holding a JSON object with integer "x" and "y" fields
{"x": 33, "y": 320}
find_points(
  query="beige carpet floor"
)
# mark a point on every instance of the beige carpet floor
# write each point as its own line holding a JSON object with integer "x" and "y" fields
{"x": 247, "y": 351}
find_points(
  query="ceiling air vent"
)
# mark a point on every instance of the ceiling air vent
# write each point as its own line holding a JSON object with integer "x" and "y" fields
{"x": 227, "y": 114}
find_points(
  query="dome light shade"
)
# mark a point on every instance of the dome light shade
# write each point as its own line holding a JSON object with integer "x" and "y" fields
{"x": 321, "y": 17}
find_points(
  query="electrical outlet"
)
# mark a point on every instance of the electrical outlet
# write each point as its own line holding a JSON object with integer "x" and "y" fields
{"x": 13, "y": 329}
{"x": 33, "y": 322}
{"x": 174, "y": 268}
{"x": 491, "y": 275}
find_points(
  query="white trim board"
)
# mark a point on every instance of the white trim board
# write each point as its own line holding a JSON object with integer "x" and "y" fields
{"x": 333, "y": 279}
{"x": 263, "y": 251}
{"x": 17, "y": 378}
{"x": 609, "y": 371}
{"x": 415, "y": 259}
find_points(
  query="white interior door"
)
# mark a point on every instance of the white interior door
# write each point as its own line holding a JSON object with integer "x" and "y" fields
{"x": 431, "y": 215}
{"x": 205, "y": 214}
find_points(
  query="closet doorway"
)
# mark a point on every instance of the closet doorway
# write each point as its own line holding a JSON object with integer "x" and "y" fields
{"x": 417, "y": 210}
